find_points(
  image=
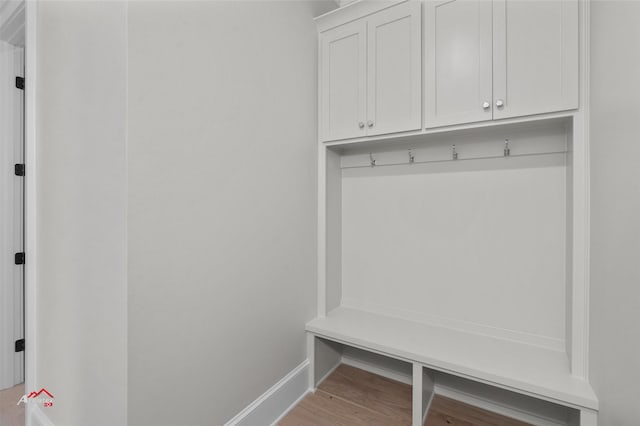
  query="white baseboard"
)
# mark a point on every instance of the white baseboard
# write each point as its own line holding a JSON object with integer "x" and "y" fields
{"x": 272, "y": 405}
{"x": 276, "y": 402}
{"x": 379, "y": 370}
{"x": 428, "y": 407}
{"x": 504, "y": 410}
{"x": 36, "y": 417}
{"x": 323, "y": 378}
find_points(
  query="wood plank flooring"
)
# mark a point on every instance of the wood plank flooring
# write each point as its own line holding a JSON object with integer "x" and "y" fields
{"x": 350, "y": 396}
{"x": 446, "y": 412}
{"x": 11, "y": 414}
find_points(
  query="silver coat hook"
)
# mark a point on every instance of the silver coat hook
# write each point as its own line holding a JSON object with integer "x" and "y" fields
{"x": 412, "y": 158}
{"x": 507, "y": 151}
{"x": 454, "y": 154}
{"x": 371, "y": 160}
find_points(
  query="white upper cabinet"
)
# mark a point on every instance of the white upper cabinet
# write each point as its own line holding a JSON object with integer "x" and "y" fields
{"x": 394, "y": 70}
{"x": 343, "y": 82}
{"x": 499, "y": 59}
{"x": 483, "y": 60}
{"x": 458, "y": 62}
{"x": 370, "y": 74}
{"x": 535, "y": 57}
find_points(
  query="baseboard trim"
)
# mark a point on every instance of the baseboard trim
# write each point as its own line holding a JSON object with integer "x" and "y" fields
{"x": 290, "y": 407}
{"x": 428, "y": 407}
{"x": 36, "y": 417}
{"x": 323, "y": 378}
{"x": 504, "y": 410}
{"x": 380, "y": 371}
{"x": 272, "y": 405}
{"x": 277, "y": 401}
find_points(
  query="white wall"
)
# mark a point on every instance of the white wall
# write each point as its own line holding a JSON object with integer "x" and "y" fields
{"x": 493, "y": 231}
{"x": 615, "y": 209}
{"x": 222, "y": 206}
{"x": 222, "y": 203}
{"x": 81, "y": 217}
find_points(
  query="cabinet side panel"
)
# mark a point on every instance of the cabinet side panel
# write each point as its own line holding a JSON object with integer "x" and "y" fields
{"x": 569, "y": 248}
{"x": 334, "y": 231}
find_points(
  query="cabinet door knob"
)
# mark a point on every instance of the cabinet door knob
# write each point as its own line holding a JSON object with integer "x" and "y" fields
{"x": 370, "y": 123}
{"x": 361, "y": 125}
{"x": 499, "y": 103}
{"x": 486, "y": 105}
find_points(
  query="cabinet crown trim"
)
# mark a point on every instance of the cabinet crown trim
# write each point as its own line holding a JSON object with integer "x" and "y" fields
{"x": 351, "y": 12}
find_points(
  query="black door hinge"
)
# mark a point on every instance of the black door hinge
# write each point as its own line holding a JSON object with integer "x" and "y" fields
{"x": 20, "y": 345}
{"x": 18, "y": 169}
{"x": 20, "y": 83}
{"x": 20, "y": 258}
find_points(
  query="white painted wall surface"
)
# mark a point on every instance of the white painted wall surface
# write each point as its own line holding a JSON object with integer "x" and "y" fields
{"x": 443, "y": 242}
{"x": 222, "y": 203}
{"x": 615, "y": 209}
{"x": 81, "y": 217}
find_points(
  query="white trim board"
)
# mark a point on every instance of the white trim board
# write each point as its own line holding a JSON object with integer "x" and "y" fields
{"x": 11, "y": 214}
{"x": 379, "y": 371}
{"x": 378, "y": 364}
{"x": 351, "y": 11}
{"x": 272, "y": 405}
{"x": 31, "y": 15}
{"x": 36, "y": 417}
{"x": 427, "y": 405}
{"x": 328, "y": 373}
{"x": 578, "y": 320}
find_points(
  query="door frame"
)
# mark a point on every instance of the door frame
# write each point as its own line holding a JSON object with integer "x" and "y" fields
{"x": 30, "y": 200}
{"x": 12, "y": 310}
{"x": 24, "y": 18}
{"x": 12, "y": 30}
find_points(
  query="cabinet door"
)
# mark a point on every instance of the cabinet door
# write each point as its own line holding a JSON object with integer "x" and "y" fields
{"x": 394, "y": 70}
{"x": 535, "y": 54}
{"x": 458, "y": 38}
{"x": 343, "y": 82}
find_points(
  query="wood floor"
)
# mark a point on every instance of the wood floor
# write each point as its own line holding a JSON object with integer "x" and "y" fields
{"x": 350, "y": 396}
{"x": 11, "y": 414}
{"x": 445, "y": 411}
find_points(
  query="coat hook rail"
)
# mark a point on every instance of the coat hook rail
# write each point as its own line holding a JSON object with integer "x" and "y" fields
{"x": 373, "y": 162}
